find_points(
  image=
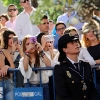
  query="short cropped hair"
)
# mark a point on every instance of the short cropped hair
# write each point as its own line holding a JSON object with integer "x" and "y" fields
{"x": 58, "y": 23}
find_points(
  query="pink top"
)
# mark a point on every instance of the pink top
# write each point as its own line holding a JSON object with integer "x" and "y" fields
{"x": 11, "y": 25}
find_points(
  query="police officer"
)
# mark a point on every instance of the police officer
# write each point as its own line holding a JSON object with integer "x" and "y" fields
{"x": 73, "y": 78}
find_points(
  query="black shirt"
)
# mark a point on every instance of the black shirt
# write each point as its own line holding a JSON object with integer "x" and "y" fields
{"x": 95, "y": 53}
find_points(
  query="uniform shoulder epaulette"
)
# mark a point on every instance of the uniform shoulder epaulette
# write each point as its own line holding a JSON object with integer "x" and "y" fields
{"x": 63, "y": 62}
{"x": 82, "y": 60}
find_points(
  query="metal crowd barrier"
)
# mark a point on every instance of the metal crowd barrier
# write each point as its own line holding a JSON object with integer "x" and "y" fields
{"x": 34, "y": 69}
{"x": 14, "y": 70}
{"x": 94, "y": 72}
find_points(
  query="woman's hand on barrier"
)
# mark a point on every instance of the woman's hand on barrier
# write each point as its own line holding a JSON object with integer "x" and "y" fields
{"x": 3, "y": 70}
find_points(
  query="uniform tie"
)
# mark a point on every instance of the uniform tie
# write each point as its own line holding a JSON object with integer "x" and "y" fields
{"x": 77, "y": 66}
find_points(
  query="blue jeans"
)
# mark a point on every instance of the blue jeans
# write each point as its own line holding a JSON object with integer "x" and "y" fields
{"x": 45, "y": 89}
{"x": 8, "y": 89}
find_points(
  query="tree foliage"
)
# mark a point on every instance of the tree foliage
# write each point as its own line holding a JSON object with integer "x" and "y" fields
{"x": 17, "y": 3}
{"x": 52, "y": 8}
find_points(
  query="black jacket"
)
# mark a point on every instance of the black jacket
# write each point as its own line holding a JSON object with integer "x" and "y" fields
{"x": 69, "y": 84}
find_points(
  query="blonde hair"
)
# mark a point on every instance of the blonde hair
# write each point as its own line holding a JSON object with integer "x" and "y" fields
{"x": 85, "y": 41}
{"x": 92, "y": 25}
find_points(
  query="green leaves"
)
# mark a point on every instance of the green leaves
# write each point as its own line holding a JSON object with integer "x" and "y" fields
{"x": 16, "y": 2}
{"x": 49, "y": 7}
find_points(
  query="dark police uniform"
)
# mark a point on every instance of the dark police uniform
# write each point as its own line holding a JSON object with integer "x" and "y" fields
{"x": 72, "y": 84}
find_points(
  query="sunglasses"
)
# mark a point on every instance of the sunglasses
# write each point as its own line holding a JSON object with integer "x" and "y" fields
{"x": 59, "y": 29}
{"x": 23, "y": 1}
{"x": 10, "y": 10}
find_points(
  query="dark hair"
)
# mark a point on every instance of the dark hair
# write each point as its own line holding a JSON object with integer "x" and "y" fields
{"x": 5, "y": 38}
{"x": 12, "y": 5}
{"x": 62, "y": 54}
{"x": 39, "y": 37}
{"x": 44, "y": 17}
{"x": 5, "y": 16}
{"x": 58, "y": 23}
{"x": 51, "y": 21}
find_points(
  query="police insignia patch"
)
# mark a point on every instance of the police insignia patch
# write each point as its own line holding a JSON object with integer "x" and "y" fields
{"x": 68, "y": 74}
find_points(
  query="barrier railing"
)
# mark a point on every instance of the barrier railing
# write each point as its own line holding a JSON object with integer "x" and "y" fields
{"x": 94, "y": 72}
{"x": 14, "y": 70}
{"x": 35, "y": 69}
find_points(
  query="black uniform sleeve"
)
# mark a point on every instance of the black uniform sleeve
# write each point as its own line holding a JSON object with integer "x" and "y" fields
{"x": 61, "y": 84}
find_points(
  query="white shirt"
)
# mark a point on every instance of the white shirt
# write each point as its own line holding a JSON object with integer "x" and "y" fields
{"x": 32, "y": 76}
{"x": 24, "y": 25}
{"x": 54, "y": 61}
{"x": 84, "y": 55}
{"x": 72, "y": 61}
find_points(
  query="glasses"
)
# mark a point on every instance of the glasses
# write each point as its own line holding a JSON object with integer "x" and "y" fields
{"x": 10, "y": 10}
{"x": 23, "y": 1}
{"x": 59, "y": 29}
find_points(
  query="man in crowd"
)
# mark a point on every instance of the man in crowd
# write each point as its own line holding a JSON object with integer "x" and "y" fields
{"x": 59, "y": 27}
{"x": 12, "y": 13}
{"x": 44, "y": 25}
{"x": 23, "y": 22}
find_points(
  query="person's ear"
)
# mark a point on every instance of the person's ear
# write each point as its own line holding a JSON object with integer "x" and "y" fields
{"x": 64, "y": 50}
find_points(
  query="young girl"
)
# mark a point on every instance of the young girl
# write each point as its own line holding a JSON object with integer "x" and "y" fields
{"x": 34, "y": 58}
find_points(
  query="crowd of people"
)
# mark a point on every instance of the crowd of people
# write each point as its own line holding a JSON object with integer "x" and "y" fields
{"x": 70, "y": 47}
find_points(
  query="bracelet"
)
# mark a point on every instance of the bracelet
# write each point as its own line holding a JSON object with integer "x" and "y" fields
{"x": 41, "y": 53}
{"x": 12, "y": 52}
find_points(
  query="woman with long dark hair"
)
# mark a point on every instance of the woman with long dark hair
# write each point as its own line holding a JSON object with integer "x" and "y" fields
{"x": 5, "y": 63}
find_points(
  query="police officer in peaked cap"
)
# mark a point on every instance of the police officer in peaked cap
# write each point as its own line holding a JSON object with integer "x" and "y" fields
{"x": 73, "y": 78}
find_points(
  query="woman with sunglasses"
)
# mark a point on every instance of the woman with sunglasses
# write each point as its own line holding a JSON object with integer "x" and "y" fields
{"x": 34, "y": 58}
{"x": 91, "y": 41}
